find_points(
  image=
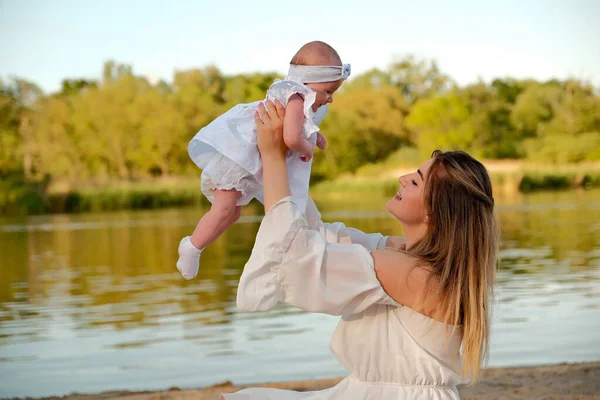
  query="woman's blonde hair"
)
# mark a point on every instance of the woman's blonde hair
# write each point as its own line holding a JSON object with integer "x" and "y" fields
{"x": 461, "y": 247}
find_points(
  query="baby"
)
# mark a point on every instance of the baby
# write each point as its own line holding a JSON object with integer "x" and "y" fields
{"x": 226, "y": 149}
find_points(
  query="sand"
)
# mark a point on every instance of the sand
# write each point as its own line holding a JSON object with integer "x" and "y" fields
{"x": 562, "y": 381}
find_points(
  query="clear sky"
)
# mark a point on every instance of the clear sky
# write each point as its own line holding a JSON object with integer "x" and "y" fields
{"x": 46, "y": 41}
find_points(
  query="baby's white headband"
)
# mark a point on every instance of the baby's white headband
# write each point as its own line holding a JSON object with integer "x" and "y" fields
{"x": 318, "y": 73}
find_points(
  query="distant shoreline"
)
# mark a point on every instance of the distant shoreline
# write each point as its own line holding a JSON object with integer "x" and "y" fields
{"x": 56, "y": 197}
{"x": 508, "y": 176}
{"x": 560, "y": 381}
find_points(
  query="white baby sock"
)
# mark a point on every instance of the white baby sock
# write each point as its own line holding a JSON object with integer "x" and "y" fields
{"x": 189, "y": 258}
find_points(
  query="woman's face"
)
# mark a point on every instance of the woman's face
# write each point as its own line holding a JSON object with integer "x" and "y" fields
{"x": 407, "y": 204}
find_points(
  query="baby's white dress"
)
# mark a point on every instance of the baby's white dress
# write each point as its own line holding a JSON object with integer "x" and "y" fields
{"x": 390, "y": 350}
{"x": 226, "y": 148}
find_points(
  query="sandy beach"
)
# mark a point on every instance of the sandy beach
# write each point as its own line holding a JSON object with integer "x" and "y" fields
{"x": 562, "y": 381}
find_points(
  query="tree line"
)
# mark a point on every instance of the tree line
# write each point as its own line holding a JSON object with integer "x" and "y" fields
{"x": 124, "y": 127}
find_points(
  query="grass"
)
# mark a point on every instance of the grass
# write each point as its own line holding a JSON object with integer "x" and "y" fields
{"x": 563, "y": 177}
{"x": 24, "y": 199}
{"x": 18, "y": 197}
{"x": 132, "y": 196}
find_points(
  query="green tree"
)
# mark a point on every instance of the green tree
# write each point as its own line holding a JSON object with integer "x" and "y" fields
{"x": 569, "y": 127}
{"x": 58, "y": 152}
{"x": 72, "y": 86}
{"x": 418, "y": 79}
{"x": 198, "y": 94}
{"x": 11, "y": 156}
{"x": 122, "y": 127}
{"x": 26, "y": 95}
{"x": 495, "y": 137}
{"x": 365, "y": 124}
{"x": 247, "y": 88}
{"x": 443, "y": 122}
{"x": 535, "y": 106}
{"x": 162, "y": 135}
{"x": 577, "y": 111}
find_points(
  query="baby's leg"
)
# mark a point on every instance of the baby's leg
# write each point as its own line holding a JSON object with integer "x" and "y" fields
{"x": 221, "y": 215}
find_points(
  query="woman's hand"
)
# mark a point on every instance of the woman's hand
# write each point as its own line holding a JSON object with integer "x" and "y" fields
{"x": 269, "y": 138}
{"x": 269, "y": 126}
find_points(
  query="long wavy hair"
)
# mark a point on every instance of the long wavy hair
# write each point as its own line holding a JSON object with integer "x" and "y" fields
{"x": 461, "y": 249}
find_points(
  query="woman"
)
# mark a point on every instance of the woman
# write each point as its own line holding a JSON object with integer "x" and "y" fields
{"x": 405, "y": 313}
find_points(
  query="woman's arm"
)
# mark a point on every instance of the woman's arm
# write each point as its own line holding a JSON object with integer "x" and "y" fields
{"x": 272, "y": 151}
{"x": 292, "y": 127}
{"x": 273, "y": 147}
{"x": 337, "y": 232}
{"x": 407, "y": 282}
{"x": 293, "y": 263}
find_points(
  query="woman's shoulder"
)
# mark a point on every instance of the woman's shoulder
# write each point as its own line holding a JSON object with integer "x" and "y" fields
{"x": 406, "y": 279}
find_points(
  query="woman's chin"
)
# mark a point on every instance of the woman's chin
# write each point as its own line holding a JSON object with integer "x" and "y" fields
{"x": 392, "y": 206}
{"x": 389, "y": 204}
{"x": 393, "y": 202}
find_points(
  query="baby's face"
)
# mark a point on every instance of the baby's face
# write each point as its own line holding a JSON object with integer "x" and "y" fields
{"x": 325, "y": 91}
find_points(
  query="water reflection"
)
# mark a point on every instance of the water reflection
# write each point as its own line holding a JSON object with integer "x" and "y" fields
{"x": 93, "y": 302}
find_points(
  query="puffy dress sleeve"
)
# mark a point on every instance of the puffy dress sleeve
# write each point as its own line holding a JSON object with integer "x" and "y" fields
{"x": 294, "y": 264}
{"x": 283, "y": 90}
{"x": 337, "y": 232}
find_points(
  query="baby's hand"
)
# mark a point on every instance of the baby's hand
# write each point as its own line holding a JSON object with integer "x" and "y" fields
{"x": 321, "y": 141}
{"x": 307, "y": 157}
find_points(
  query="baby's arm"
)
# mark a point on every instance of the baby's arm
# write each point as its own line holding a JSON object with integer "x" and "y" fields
{"x": 292, "y": 127}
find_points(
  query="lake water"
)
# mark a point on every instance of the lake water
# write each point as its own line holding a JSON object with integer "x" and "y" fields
{"x": 93, "y": 302}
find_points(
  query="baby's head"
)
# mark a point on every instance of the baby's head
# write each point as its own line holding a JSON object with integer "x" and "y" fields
{"x": 321, "y": 54}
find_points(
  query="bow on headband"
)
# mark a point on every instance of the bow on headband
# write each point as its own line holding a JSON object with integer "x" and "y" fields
{"x": 318, "y": 73}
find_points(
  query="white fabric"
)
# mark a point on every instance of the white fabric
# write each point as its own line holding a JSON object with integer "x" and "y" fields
{"x": 223, "y": 174}
{"x": 391, "y": 351}
{"x": 337, "y": 232}
{"x": 318, "y": 73}
{"x": 233, "y": 134}
{"x": 189, "y": 258}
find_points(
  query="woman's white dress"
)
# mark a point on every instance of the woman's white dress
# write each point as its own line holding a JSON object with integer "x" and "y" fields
{"x": 391, "y": 351}
{"x": 226, "y": 148}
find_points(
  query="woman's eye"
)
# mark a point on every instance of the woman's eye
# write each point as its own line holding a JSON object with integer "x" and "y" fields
{"x": 414, "y": 183}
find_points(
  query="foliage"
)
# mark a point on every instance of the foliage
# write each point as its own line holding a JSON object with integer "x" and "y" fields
{"x": 123, "y": 128}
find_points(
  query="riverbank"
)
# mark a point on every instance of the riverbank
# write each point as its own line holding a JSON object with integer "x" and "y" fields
{"x": 508, "y": 177}
{"x": 563, "y": 381}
